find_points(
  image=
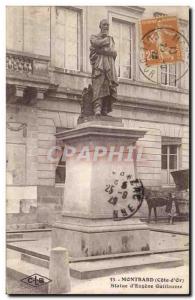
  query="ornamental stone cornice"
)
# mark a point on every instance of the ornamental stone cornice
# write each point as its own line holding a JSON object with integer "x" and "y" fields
{"x": 128, "y": 103}
{"x": 27, "y": 77}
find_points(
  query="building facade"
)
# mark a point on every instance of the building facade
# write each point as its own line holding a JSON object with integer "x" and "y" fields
{"x": 47, "y": 67}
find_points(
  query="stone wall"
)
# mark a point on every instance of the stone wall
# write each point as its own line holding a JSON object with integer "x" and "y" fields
{"x": 31, "y": 193}
{"x": 28, "y": 207}
{"x": 22, "y": 133}
{"x": 50, "y": 201}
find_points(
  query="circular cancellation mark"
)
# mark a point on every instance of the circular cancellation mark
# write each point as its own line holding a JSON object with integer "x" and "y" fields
{"x": 162, "y": 54}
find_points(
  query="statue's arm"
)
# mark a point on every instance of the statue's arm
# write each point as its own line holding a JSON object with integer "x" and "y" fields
{"x": 99, "y": 42}
{"x": 107, "y": 52}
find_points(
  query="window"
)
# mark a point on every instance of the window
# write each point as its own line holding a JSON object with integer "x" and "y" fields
{"x": 123, "y": 37}
{"x": 68, "y": 40}
{"x": 169, "y": 160}
{"x": 60, "y": 173}
{"x": 168, "y": 74}
{"x": 169, "y": 157}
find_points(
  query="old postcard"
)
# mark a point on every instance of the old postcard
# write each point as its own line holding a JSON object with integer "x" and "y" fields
{"x": 97, "y": 142}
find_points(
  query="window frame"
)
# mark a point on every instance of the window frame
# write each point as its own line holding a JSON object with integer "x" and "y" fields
{"x": 60, "y": 163}
{"x": 168, "y": 154}
{"x": 168, "y": 74}
{"x": 133, "y": 19}
{"x": 119, "y": 54}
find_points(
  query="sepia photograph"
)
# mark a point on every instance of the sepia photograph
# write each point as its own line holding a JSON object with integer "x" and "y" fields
{"x": 97, "y": 150}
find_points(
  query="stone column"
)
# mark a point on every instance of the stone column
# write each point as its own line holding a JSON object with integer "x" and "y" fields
{"x": 59, "y": 271}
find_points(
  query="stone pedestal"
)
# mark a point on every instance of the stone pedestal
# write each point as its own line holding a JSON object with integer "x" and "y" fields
{"x": 99, "y": 160}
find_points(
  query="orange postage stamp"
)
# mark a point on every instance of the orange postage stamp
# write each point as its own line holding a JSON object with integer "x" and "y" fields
{"x": 161, "y": 40}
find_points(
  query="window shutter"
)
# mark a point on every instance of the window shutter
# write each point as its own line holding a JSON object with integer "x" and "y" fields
{"x": 60, "y": 38}
{"x": 71, "y": 40}
{"x": 37, "y": 30}
{"x": 67, "y": 46}
{"x": 122, "y": 34}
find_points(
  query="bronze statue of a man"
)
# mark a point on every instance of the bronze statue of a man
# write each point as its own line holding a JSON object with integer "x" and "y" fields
{"x": 104, "y": 78}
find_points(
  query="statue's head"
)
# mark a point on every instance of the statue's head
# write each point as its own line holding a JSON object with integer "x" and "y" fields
{"x": 104, "y": 26}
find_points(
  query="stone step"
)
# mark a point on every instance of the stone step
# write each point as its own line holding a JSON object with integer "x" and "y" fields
{"x": 9, "y": 240}
{"x": 44, "y": 262}
{"x": 18, "y": 269}
{"x": 29, "y": 234}
{"x": 25, "y": 227}
{"x": 32, "y": 248}
{"x": 128, "y": 254}
{"x": 35, "y": 260}
{"x": 26, "y": 230}
{"x": 35, "y": 249}
{"x": 14, "y": 235}
{"x": 93, "y": 269}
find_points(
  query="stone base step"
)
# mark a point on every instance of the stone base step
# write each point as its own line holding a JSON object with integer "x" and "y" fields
{"x": 23, "y": 227}
{"x": 29, "y": 234}
{"x": 93, "y": 269}
{"x": 40, "y": 257}
{"x": 31, "y": 248}
{"x": 44, "y": 262}
{"x": 19, "y": 240}
{"x": 14, "y": 235}
{"x": 35, "y": 260}
{"x": 18, "y": 269}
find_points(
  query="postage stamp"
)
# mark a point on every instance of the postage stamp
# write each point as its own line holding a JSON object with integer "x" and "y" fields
{"x": 161, "y": 40}
{"x": 162, "y": 43}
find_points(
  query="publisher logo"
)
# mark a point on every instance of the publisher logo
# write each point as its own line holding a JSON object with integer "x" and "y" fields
{"x": 36, "y": 280}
